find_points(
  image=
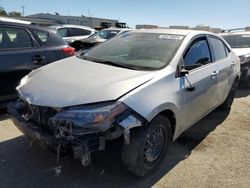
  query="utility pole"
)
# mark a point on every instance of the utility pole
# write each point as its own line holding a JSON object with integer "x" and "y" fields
{"x": 23, "y": 10}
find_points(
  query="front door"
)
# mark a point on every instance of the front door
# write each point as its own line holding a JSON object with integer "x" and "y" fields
{"x": 199, "y": 85}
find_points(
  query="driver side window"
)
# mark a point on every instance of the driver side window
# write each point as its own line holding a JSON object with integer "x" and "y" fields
{"x": 197, "y": 55}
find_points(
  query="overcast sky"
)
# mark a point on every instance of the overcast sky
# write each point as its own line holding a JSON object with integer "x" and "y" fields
{"x": 215, "y": 13}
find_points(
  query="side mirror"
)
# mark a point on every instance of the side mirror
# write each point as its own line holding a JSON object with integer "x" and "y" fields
{"x": 183, "y": 72}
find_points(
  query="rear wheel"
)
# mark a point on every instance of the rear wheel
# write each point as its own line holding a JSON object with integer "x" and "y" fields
{"x": 147, "y": 147}
{"x": 230, "y": 97}
{"x": 77, "y": 45}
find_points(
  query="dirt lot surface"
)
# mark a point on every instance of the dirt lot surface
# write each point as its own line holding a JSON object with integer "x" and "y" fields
{"x": 213, "y": 153}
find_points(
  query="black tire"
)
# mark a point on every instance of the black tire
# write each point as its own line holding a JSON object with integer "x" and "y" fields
{"x": 141, "y": 157}
{"x": 226, "y": 105}
{"x": 77, "y": 45}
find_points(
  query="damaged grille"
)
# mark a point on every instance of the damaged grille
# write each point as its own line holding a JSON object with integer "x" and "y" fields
{"x": 41, "y": 115}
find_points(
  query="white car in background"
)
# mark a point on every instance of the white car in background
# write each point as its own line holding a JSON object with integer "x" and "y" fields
{"x": 72, "y": 33}
{"x": 240, "y": 43}
{"x": 99, "y": 37}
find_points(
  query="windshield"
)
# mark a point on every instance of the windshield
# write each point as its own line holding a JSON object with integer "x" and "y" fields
{"x": 143, "y": 51}
{"x": 238, "y": 40}
{"x": 105, "y": 34}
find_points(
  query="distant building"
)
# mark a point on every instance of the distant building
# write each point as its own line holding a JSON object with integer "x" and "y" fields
{"x": 215, "y": 30}
{"x": 178, "y": 27}
{"x": 75, "y": 20}
{"x": 146, "y": 27}
{"x": 202, "y": 27}
{"x": 42, "y": 22}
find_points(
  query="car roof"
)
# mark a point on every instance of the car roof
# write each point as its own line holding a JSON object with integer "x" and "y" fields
{"x": 12, "y": 20}
{"x": 174, "y": 31}
{"x": 68, "y": 25}
{"x": 28, "y": 26}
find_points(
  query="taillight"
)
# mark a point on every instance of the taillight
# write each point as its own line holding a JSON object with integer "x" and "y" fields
{"x": 69, "y": 50}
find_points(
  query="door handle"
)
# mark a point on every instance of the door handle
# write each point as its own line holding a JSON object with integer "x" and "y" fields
{"x": 214, "y": 73}
{"x": 37, "y": 58}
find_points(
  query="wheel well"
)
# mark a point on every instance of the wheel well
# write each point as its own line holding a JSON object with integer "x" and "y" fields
{"x": 76, "y": 43}
{"x": 171, "y": 116}
{"x": 237, "y": 79}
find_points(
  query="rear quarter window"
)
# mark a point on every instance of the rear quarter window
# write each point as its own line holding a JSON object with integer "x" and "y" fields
{"x": 42, "y": 35}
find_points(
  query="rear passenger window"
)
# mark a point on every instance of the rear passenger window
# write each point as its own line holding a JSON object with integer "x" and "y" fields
{"x": 197, "y": 55}
{"x": 14, "y": 38}
{"x": 42, "y": 35}
{"x": 218, "y": 49}
{"x": 78, "y": 32}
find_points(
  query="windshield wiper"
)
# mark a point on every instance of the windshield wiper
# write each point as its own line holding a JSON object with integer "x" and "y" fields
{"x": 111, "y": 63}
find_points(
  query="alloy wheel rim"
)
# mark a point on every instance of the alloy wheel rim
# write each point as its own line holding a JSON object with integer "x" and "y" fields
{"x": 154, "y": 145}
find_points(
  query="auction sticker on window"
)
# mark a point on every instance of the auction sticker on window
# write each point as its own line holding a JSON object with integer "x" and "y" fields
{"x": 174, "y": 37}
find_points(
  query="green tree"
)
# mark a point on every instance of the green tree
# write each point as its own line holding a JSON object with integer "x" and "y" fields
{"x": 3, "y": 12}
{"x": 15, "y": 14}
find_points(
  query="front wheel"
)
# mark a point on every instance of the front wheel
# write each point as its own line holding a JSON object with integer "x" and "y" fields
{"x": 147, "y": 147}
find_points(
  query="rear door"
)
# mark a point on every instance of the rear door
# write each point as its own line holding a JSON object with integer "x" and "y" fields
{"x": 19, "y": 54}
{"x": 200, "y": 84}
{"x": 225, "y": 68}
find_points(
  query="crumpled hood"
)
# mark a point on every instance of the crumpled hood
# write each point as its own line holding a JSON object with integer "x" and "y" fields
{"x": 241, "y": 51}
{"x": 74, "y": 81}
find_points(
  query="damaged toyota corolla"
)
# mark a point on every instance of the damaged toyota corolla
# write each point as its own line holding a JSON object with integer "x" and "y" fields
{"x": 145, "y": 87}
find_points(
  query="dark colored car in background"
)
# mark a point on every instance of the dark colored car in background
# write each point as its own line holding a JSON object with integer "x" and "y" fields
{"x": 23, "y": 48}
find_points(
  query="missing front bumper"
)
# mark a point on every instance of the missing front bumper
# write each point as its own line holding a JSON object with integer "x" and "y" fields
{"x": 79, "y": 146}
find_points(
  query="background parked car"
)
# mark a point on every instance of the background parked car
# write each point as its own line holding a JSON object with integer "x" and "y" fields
{"x": 24, "y": 47}
{"x": 73, "y": 33}
{"x": 99, "y": 37}
{"x": 240, "y": 43}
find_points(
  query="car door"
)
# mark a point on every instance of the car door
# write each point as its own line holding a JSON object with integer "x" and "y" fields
{"x": 19, "y": 54}
{"x": 225, "y": 68}
{"x": 199, "y": 85}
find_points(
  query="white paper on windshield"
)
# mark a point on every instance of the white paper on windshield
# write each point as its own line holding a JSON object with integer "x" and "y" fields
{"x": 174, "y": 37}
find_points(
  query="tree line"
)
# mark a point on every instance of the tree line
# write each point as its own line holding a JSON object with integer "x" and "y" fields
{"x": 3, "y": 12}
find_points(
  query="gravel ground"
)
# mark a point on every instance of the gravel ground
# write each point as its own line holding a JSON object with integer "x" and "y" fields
{"x": 215, "y": 152}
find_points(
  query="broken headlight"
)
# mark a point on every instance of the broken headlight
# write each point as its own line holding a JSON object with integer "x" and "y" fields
{"x": 90, "y": 114}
